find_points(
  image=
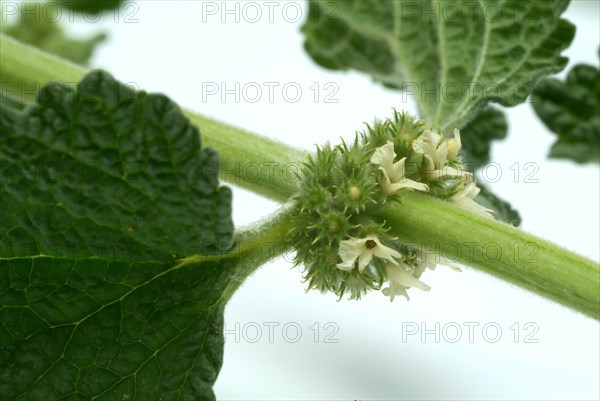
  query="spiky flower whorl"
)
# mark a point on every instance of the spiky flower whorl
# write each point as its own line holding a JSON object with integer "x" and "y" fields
{"x": 343, "y": 248}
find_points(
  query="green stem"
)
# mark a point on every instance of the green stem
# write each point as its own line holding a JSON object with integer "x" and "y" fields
{"x": 259, "y": 164}
{"x": 488, "y": 245}
{"x": 255, "y": 245}
{"x": 498, "y": 249}
{"x": 260, "y": 243}
{"x": 25, "y": 69}
{"x": 251, "y": 161}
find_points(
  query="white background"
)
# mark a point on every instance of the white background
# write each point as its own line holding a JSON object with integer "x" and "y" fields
{"x": 175, "y": 47}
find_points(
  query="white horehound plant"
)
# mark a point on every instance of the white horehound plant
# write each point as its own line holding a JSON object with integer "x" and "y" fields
{"x": 366, "y": 216}
{"x": 104, "y": 280}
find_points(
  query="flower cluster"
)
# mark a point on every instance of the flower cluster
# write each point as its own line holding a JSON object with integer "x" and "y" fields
{"x": 442, "y": 168}
{"x": 343, "y": 247}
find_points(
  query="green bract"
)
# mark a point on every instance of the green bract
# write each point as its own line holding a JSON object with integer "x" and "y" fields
{"x": 338, "y": 186}
{"x": 343, "y": 187}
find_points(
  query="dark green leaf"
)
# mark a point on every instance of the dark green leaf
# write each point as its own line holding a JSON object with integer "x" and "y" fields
{"x": 121, "y": 169}
{"x": 82, "y": 329}
{"x": 571, "y": 109}
{"x": 490, "y": 124}
{"x": 108, "y": 203}
{"x": 453, "y": 55}
{"x": 91, "y": 6}
{"x": 477, "y": 136}
{"x": 502, "y": 209}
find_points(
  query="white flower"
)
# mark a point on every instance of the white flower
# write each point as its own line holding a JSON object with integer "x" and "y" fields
{"x": 437, "y": 153}
{"x": 363, "y": 249}
{"x": 453, "y": 145}
{"x": 400, "y": 279}
{"x": 430, "y": 261}
{"x": 464, "y": 199}
{"x": 393, "y": 173}
{"x": 427, "y": 262}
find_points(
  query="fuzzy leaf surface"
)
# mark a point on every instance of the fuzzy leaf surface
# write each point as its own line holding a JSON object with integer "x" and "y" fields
{"x": 454, "y": 56}
{"x": 112, "y": 227}
{"x": 477, "y": 136}
{"x": 571, "y": 109}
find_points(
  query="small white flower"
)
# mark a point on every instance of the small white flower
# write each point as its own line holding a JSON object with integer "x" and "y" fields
{"x": 430, "y": 261}
{"x": 400, "y": 279}
{"x": 438, "y": 153}
{"x": 393, "y": 173}
{"x": 454, "y": 145}
{"x": 363, "y": 249}
{"x": 427, "y": 262}
{"x": 464, "y": 200}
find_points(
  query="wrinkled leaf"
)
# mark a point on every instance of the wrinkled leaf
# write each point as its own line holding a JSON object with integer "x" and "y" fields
{"x": 477, "y": 136}
{"x": 454, "y": 56}
{"x": 490, "y": 124}
{"x": 502, "y": 209}
{"x": 571, "y": 109}
{"x": 108, "y": 205}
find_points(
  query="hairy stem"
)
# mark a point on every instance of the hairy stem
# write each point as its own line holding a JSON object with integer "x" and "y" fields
{"x": 491, "y": 246}
{"x": 255, "y": 245}
{"x": 26, "y": 69}
{"x": 498, "y": 249}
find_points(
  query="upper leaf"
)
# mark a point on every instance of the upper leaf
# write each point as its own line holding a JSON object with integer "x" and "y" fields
{"x": 571, "y": 109}
{"x": 103, "y": 170}
{"x": 103, "y": 190}
{"x": 453, "y": 55}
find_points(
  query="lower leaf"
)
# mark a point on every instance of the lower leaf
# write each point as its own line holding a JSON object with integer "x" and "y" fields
{"x": 111, "y": 331}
